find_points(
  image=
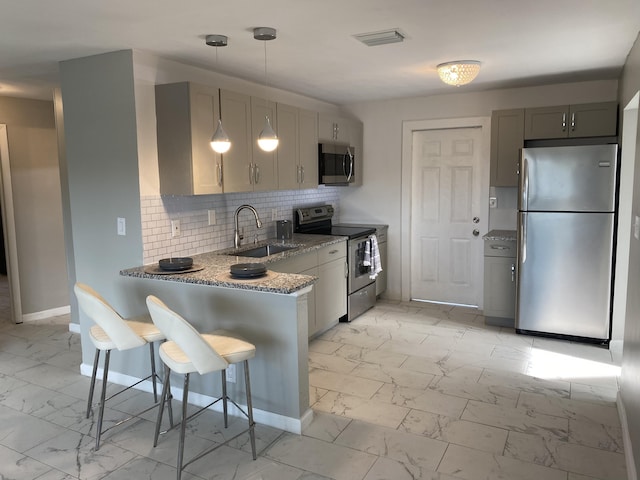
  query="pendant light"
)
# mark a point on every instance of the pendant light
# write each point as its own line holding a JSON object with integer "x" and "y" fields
{"x": 220, "y": 141}
{"x": 267, "y": 140}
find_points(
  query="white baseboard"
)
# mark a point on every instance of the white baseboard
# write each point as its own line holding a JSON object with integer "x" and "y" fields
{"x": 626, "y": 438}
{"x": 288, "y": 424}
{"x": 54, "y": 312}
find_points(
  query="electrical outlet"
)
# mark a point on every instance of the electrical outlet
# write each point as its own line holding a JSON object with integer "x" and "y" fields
{"x": 231, "y": 373}
{"x": 122, "y": 226}
{"x": 493, "y": 202}
{"x": 274, "y": 214}
{"x": 175, "y": 228}
{"x": 212, "y": 217}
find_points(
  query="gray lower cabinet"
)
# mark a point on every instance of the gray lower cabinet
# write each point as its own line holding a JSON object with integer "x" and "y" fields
{"x": 328, "y": 299}
{"x": 500, "y": 282}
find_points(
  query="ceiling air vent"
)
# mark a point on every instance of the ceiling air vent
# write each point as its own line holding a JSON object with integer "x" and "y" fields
{"x": 373, "y": 39}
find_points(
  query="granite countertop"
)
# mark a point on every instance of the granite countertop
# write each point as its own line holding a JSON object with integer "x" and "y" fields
{"x": 503, "y": 235}
{"x": 212, "y": 268}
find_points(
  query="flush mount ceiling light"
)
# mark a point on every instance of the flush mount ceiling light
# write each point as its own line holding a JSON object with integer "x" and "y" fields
{"x": 459, "y": 72}
{"x": 373, "y": 39}
{"x": 220, "y": 141}
{"x": 267, "y": 140}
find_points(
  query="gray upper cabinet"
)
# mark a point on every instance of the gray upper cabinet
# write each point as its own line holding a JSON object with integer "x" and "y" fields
{"x": 333, "y": 129}
{"x": 571, "y": 121}
{"x": 186, "y": 117}
{"x": 298, "y": 148}
{"x": 264, "y": 170}
{"x": 236, "y": 120}
{"x": 507, "y": 139}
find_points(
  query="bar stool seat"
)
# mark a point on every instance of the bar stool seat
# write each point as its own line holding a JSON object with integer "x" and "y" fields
{"x": 113, "y": 332}
{"x": 186, "y": 351}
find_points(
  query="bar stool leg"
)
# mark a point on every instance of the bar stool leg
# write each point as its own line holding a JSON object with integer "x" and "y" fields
{"x": 165, "y": 388}
{"x": 224, "y": 396}
{"x": 96, "y": 358}
{"x": 252, "y": 433}
{"x": 183, "y": 426}
{"x": 105, "y": 374}
{"x": 153, "y": 373}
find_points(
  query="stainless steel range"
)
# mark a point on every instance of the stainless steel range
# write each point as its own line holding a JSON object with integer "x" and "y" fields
{"x": 361, "y": 288}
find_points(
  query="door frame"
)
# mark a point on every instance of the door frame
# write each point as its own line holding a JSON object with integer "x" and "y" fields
{"x": 408, "y": 128}
{"x": 9, "y": 227}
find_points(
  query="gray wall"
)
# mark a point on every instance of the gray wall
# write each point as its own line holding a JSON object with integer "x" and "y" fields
{"x": 102, "y": 173}
{"x": 37, "y": 203}
{"x": 630, "y": 379}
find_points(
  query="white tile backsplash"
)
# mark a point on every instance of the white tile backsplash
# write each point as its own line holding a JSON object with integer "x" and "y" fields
{"x": 197, "y": 236}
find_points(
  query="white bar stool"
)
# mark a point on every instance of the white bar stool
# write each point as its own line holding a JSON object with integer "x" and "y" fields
{"x": 114, "y": 332}
{"x": 187, "y": 351}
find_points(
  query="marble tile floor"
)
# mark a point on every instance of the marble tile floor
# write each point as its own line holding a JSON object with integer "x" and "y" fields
{"x": 406, "y": 391}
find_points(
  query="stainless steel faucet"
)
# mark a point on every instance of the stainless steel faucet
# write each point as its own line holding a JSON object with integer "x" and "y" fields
{"x": 237, "y": 237}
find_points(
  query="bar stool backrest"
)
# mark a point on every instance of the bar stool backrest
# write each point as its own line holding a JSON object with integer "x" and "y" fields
{"x": 204, "y": 358}
{"x": 97, "y": 308}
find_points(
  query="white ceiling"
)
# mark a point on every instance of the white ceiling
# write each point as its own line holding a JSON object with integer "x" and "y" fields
{"x": 519, "y": 42}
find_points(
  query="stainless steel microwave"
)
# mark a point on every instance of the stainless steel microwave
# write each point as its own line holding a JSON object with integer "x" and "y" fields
{"x": 337, "y": 164}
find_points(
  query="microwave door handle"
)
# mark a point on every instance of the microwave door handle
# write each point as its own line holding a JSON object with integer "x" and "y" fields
{"x": 350, "y": 165}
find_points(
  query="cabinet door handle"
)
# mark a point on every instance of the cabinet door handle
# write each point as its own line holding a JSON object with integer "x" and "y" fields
{"x": 251, "y": 173}
{"x": 346, "y": 270}
{"x": 301, "y": 174}
{"x": 564, "y": 122}
{"x": 219, "y": 174}
{"x": 333, "y": 252}
{"x": 573, "y": 121}
{"x": 513, "y": 272}
{"x": 256, "y": 174}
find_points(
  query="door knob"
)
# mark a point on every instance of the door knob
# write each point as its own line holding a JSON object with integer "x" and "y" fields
{"x": 475, "y": 232}
{"x": 476, "y": 220}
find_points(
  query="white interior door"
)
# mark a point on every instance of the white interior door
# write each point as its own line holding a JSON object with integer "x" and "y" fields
{"x": 446, "y": 246}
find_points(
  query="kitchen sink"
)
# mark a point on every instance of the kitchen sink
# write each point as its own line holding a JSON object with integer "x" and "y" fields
{"x": 263, "y": 251}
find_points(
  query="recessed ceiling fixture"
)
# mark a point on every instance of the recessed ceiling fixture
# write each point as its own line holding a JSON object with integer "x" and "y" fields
{"x": 383, "y": 37}
{"x": 267, "y": 140}
{"x": 220, "y": 141}
{"x": 459, "y": 72}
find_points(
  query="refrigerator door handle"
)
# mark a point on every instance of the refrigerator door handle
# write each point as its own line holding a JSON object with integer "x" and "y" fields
{"x": 523, "y": 238}
{"x": 524, "y": 185}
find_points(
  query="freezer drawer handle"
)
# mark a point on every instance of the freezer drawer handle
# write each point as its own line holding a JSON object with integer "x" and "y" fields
{"x": 499, "y": 247}
{"x": 604, "y": 164}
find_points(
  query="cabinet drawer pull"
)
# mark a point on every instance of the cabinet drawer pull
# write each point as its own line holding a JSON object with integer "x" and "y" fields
{"x": 573, "y": 122}
{"x": 513, "y": 272}
{"x": 564, "y": 122}
{"x": 333, "y": 251}
{"x": 499, "y": 247}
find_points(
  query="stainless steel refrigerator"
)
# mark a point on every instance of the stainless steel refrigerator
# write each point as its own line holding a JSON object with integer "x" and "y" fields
{"x": 566, "y": 225}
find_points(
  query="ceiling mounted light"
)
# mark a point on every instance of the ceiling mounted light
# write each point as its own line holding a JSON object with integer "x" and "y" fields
{"x": 267, "y": 140}
{"x": 459, "y": 72}
{"x": 220, "y": 141}
{"x": 373, "y": 39}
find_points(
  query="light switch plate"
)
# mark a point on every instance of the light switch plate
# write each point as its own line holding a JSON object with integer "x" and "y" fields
{"x": 122, "y": 226}
{"x": 212, "y": 217}
{"x": 175, "y": 228}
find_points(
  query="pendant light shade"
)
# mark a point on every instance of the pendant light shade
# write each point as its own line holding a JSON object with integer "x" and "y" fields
{"x": 267, "y": 140}
{"x": 459, "y": 72}
{"x": 220, "y": 141}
